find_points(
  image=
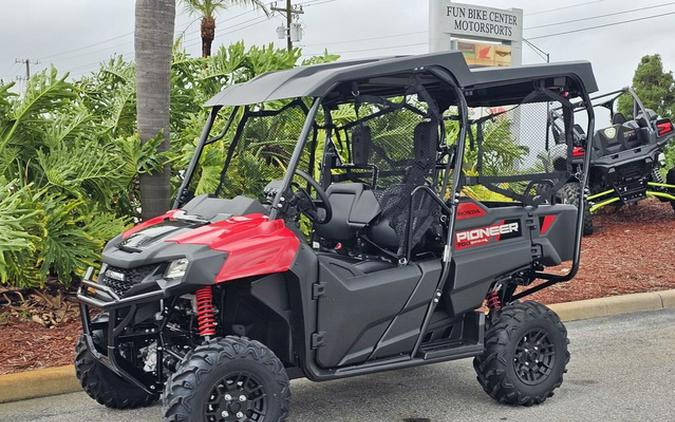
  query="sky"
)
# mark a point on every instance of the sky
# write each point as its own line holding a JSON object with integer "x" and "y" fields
{"x": 75, "y": 35}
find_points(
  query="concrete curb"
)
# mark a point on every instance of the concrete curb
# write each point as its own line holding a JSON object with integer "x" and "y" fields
{"x": 38, "y": 383}
{"x": 61, "y": 380}
{"x": 615, "y": 305}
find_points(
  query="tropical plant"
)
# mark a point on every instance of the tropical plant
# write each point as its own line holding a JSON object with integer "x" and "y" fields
{"x": 71, "y": 157}
{"x": 208, "y": 9}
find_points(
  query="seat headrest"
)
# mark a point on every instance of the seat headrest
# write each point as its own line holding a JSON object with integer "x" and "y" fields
{"x": 362, "y": 142}
{"x": 426, "y": 139}
{"x": 618, "y": 119}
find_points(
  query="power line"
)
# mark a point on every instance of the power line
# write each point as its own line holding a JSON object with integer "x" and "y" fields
{"x": 367, "y": 39}
{"x": 585, "y": 3}
{"x": 257, "y": 20}
{"x": 98, "y": 43}
{"x": 589, "y": 28}
{"x": 186, "y": 39}
{"x": 251, "y": 22}
{"x": 603, "y": 16}
{"x": 371, "y": 49}
{"x": 541, "y": 53}
{"x": 317, "y": 2}
{"x": 92, "y": 65}
{"x": 121, "y": 36}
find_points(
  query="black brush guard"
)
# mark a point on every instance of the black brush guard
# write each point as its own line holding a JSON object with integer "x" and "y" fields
{"x": 121, "y": 312}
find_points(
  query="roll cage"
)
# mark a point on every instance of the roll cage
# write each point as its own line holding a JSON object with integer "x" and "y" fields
{"x": 446, "y": 81}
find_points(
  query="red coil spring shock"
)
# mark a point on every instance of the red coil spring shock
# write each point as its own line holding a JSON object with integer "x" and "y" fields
{"x": 494, "y": 302}
{"x": 206, "y": 316}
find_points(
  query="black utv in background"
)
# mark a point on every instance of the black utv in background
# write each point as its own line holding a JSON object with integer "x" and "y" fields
{"x": 373, "y": 245}
{"x": 627, "y": 157}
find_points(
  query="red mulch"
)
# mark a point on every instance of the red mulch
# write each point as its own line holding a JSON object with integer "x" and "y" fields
{"x": 28, "y": 345}
{"x": 632, "y": 250}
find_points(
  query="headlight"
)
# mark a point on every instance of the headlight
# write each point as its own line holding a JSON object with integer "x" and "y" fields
{"x": 176, "y": 269}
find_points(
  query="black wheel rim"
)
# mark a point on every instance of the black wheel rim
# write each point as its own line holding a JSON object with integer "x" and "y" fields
{"x": 534, "y": 357}
{"x": 237, "y": 397}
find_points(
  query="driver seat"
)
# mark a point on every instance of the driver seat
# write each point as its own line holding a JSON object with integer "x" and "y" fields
{"x": 354, "y": 207}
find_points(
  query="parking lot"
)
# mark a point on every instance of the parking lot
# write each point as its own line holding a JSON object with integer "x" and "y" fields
{"x": 622, "y": 369}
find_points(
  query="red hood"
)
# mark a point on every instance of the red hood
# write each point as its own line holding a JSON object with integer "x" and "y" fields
{"x": 255, "y": 245}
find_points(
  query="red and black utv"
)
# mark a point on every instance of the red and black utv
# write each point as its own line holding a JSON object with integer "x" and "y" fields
{"x": 627, "y": 157}
{"x": 412, "y": 192}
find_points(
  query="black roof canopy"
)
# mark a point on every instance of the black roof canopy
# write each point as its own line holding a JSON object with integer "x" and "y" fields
{"x": 483, "y": 86}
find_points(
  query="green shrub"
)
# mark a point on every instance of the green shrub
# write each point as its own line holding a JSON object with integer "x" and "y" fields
{"x": 70, "y": 156}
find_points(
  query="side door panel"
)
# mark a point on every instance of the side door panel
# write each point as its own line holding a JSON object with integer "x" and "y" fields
{"x": 356, "y": 309}
{"x": 403, "y": 331}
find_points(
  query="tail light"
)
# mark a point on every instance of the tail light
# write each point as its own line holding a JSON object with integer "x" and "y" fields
{"x": 578, "y": 152}
{"x": 664, "y": 127}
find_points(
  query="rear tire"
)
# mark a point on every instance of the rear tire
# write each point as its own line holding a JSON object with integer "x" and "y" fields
{"x": 569, "y": 194}
{"x": 103, "y": 385}
{"x": 525, "y": 355}
{"x": 231, "y": 379}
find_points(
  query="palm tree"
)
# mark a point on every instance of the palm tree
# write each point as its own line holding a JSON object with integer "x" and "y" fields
{"x": 207, "y": 9}
{"x": 153, "y": 41}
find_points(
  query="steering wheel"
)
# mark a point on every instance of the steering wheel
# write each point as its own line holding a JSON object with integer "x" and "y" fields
{"x": 312, "y": 205}
{"x": 542, "y": 191}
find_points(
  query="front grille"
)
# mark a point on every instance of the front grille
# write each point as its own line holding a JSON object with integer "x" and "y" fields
{"x": 132, "y": 277}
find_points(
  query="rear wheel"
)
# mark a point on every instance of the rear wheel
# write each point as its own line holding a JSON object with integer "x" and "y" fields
{"x": 228, "y": 379}
{"x": 525, "y": 355}
{"x": 570, "y": 194}
{"x": 102, "y": 384}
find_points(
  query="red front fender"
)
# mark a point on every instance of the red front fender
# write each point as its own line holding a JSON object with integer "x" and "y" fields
{"x": 255, "y": 245}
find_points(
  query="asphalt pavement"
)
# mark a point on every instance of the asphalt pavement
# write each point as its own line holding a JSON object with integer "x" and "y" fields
{"x": 622, "y": 369}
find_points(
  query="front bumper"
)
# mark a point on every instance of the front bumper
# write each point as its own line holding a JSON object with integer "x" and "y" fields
{"x": 120, "y": 315}
{"x": 104, "y": 298}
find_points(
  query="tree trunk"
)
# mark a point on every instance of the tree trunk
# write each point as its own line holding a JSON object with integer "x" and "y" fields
{"x": 208, "y": 33}
{"x": 153, "y": 41}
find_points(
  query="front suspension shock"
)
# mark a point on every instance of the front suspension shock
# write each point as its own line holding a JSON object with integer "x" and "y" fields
{"x": 206, "y": 315}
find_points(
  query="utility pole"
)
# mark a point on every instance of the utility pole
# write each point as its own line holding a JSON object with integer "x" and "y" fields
{"x": 27, "y": 62}
{"x": 290, "y": 12}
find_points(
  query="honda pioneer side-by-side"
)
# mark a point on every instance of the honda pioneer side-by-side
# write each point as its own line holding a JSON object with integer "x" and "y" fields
{"x": 363, "y": 216}
{"x": 627, "y": 157}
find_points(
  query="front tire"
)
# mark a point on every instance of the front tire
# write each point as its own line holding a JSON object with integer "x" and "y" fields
{"x": 103, "y": 385}
{"x": 525, "y": 355}
{"x": 228, "y": 379}
{"x": 570, "y": 194}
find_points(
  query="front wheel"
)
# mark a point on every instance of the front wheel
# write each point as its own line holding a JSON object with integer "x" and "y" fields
{"x": 228, "y": 379}
{"x": 525, "y": 355}
{"x": 103, "y": 385}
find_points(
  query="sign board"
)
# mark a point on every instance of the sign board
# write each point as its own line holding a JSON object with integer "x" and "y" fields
{"x": 498, "y": 31}
{"x": 486, "y": 22}
{"x": 482, "y": 54}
